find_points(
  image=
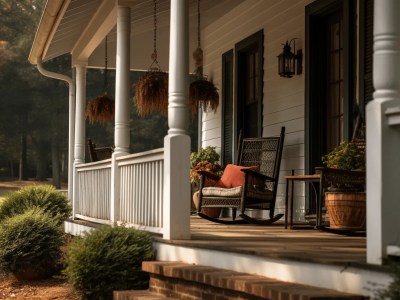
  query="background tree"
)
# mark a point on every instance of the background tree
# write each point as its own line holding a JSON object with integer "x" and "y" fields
{"x": 34, "y": 108}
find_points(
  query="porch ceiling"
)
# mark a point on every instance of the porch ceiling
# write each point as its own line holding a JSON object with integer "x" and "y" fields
{"x": 79, "y": 27}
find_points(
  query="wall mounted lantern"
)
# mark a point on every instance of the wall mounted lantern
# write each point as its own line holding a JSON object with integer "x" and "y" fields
{"x": 287, "y": 60}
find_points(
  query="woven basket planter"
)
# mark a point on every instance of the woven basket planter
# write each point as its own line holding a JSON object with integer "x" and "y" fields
{"x": 347, "y": 210}
{"x": 152, "y": 93}
{"x": 203, "y": 94}
{"x": 101, "y": 109}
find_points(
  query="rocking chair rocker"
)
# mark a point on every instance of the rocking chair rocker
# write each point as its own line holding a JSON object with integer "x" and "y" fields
{"x": 251, "y": 184}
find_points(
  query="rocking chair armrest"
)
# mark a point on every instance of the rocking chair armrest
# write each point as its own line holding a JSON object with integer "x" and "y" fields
{"x": 210, "y": 175}
{"x": 258, "y": 175}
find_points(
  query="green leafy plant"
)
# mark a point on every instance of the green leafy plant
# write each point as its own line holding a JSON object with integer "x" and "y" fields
{"x": 30, "y": 244}
{"x": 393, "y": 290}
{"x": 346, "y": 156}
{"x": 208, "y": 154}
{"x": 44, "y": 197}
{"x": 108, "y": 259}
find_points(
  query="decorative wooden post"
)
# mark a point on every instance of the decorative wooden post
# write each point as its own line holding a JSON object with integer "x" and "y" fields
{"x": 176, "y": 214}
{"x": 383, "y": 140}
{"x": 122, "y": 110}
{"x": 79, "y": 151}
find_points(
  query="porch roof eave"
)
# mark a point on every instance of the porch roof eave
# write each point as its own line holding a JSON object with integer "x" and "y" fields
{"x": 50, "y": 15}
{"x": 78, "y": 27}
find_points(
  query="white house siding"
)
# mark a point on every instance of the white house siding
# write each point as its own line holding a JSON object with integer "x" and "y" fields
{"x": 283, "y": 98}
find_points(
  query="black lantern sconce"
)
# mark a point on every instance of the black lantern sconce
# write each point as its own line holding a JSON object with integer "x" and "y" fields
{"x": 287, "y": 60}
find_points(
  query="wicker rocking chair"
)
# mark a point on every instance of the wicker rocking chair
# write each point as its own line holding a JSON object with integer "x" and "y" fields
{"x": 251, "y": 184}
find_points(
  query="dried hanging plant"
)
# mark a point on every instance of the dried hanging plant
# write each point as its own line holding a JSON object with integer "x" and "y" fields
{"x": 152, "y": 88}
{"x": 202, "y": 94}
{"x": 152, "y": 93}
{"x": 102, "y": 108}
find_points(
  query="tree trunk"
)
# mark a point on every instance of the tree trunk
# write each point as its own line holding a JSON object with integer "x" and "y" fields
{"x": 41, "y": 160}
{"x": 55, "y": 162}
{"x": 23, "y": 150}
{"x": 11, "y": 169}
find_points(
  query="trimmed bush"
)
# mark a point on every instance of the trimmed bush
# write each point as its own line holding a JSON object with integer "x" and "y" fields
{"x": 30, "y": 244}
{"x": 44, "y": 197}
{"x": 108, "y": 259}
{"x": 393, "y": 290}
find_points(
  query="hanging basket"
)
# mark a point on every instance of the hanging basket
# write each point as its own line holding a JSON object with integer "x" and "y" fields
{"x": 203, "y": 94}
{"x": 152, "y": 93}
{"x": 101, "y": 109}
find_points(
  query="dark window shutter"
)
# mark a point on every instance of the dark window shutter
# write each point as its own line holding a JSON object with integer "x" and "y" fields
{"x": 368, "y": 46}
{"x": 227, "y": 108}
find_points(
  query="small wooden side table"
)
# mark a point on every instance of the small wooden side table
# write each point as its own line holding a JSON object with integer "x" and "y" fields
{"x": 314, "y": 178}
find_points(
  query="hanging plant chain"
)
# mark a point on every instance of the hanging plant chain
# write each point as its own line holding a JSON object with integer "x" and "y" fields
{"x": 203, "y": 94}
{"x": 154, "y": 55}
{"x": 151, "y": 90}
{"x": 105, "y": 67}
{"x": 198, "y": 53}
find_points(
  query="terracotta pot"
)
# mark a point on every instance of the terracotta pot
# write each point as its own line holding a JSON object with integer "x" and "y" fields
{"x": 347, "y": 210}
{"x": 213, "y": 212}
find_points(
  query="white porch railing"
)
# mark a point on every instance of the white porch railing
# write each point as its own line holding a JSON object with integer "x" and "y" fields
{"x": 94, "y": 196}
{"x": 139, "y": 186}
{"x": 141, "y": 190}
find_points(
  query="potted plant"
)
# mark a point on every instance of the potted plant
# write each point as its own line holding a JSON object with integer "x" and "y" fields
{"x": 205, "y": 159}
{"x": 346, "y": 156}
{"x": 345, "y": 177}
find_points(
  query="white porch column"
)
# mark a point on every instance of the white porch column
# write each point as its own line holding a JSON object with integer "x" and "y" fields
{"x": 122, "y": 107}
{"x": 79, "y": 151}
{"x": 383, "y": 141}
{"x": 176, "y": 213}
{"x": 71, "y": 139}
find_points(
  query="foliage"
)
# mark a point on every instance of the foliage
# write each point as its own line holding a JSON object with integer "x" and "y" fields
{"x": 204, "y": 166}
{"x": 393, "y": 290}
{"x": 44, "y": 197}
{"x": 108, "y": 259}
{"x": 152, "y": 93}
{"x": 101, "y": 109}
{"x": 346, "y": 156}
{"x": 203, "y": 93}
{"x": 30, "y": 241}
{"x": 204, "y": 154}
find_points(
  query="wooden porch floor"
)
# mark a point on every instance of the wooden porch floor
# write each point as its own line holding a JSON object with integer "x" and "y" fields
{"x": 276, "y": 242}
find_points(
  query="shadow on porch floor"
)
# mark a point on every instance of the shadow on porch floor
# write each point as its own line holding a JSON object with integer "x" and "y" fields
{"x": 276, "y": 242}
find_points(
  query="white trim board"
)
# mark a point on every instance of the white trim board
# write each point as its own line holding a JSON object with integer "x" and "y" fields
{"x": 348, "y": 279}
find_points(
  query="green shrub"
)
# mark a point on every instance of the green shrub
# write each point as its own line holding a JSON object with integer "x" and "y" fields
{"x": 30, "y": 242}
{"x": 204, "y": 154}
{"x": 393, "y": 290}
{"x": 108, "y": 259}
{"x": 44, "y": 197}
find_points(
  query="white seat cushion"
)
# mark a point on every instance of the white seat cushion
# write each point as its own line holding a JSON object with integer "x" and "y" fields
{"x": 222, "y": 192}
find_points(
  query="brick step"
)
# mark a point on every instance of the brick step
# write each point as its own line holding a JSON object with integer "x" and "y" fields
{"x": 138, "y": 295}
{"x": 185, "y": 281}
